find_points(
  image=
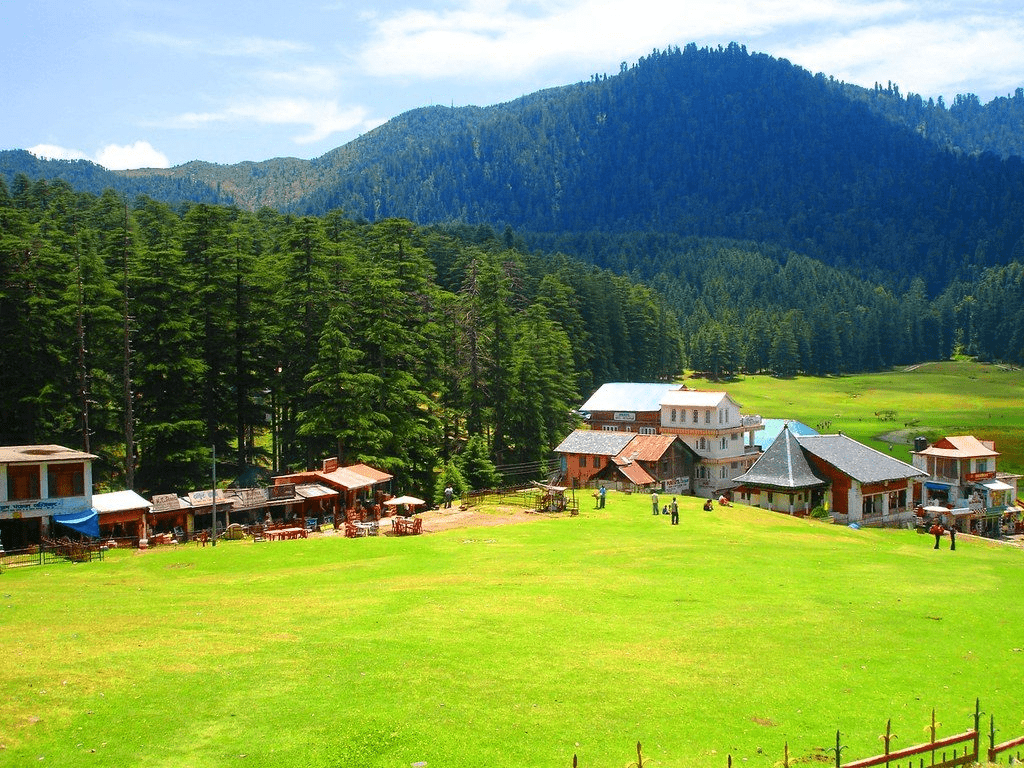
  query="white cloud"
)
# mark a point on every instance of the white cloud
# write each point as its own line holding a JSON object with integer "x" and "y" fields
{"x": 322, "y": 118}
{"x": 929, "y": 46}
{"x": 141, "y": 154}
{"x": 249, "y": 47}
{"x": 500, "y": 39}
{"x": 114, "y": 157}
{"x": 53, "y": 152}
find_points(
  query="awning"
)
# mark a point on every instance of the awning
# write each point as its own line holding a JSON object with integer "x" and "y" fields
{"x": 997, "y": 485}
{"x": 314, "y": 491}
{"x": 937, "y": 486}
{"x": 87, "y": 521}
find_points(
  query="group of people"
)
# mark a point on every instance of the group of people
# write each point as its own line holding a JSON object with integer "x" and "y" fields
{"x": 668, "y": 509}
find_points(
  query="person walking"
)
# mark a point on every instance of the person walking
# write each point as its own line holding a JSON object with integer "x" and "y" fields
{"x": 675, "y": 511}
{"x": 654, "y": 502}
{"x": 449, "y": 494}
{"x": 937, "y": 530}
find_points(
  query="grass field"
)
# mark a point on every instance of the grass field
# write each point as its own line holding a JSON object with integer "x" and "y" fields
{"x": 932, "y": 400}
{"x": 734, "y": 633}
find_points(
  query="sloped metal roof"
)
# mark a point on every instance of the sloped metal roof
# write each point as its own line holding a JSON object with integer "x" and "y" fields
{"x": 595, "y": 442}
{"x": 634, "y": 472}
{"x": 648, "y": 447}
{"x": 959, "y": 447}
{"x": 119, "y": 501}
{"x": 697, "y": 398}
{"x": 863, "y": 464}
{"x": 782, "y": 465}
{"x": 628, "y": 396}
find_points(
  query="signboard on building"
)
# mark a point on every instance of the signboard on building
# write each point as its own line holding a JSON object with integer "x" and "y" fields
{"x": 677, "y": 485}
{"x": 283, "y": 491}
{"x": 16, "y": 510}
{"x": 625, "y": 416}
{"x": 974, "y": 477}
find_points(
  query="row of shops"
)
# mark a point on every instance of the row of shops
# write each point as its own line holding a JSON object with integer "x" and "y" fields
{"x": 45, "y": 493}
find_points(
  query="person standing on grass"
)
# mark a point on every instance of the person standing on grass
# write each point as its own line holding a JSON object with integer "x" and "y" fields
{"x": 952, "y": 537}
{"x": 936, "y": 530}
{"x": 675, "y": 511}
{"x": 654, "y": 501}
{"x": 601, "y": 496}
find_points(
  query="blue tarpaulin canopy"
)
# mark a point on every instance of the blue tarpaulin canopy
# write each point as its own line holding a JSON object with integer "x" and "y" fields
{"x": 937, "y": 486}
{"x": 87, "y": 521}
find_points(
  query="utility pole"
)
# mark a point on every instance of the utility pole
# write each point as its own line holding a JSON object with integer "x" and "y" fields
{"x": 83, "y": 371}
{"x": 214, "y": 498}
{"x": 129, "y": 412}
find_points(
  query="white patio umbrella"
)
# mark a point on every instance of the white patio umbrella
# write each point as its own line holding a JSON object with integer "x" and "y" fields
{"x": 410, "y": 501}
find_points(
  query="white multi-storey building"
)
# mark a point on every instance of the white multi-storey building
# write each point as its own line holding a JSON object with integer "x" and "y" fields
{"x": 724, "y": 438}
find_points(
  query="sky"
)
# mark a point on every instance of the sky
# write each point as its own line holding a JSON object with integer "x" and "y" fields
{"x": 156, "y": 83}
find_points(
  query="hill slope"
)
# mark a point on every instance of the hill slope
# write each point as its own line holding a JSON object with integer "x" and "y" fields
{"x": 717, "y": 143}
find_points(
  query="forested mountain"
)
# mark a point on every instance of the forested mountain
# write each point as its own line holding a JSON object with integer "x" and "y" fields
{"x": 85, "y": 176}
{"x": 451, "y": 284}
{"x": 705, "y": 142}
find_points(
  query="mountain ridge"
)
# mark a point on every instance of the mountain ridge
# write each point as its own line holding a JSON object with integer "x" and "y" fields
{"x": 706, "y": 142}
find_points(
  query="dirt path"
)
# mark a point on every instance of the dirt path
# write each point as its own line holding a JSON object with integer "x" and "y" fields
{"x": 446, "y": 519}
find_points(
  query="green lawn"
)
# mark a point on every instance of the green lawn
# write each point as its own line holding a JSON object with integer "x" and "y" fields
{"x": 733, "y": 633}
{"x": 932, "y": 400}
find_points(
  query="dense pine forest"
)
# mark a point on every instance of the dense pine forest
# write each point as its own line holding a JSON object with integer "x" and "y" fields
{"x": 435, "y": 297}
{"x": 386, "y": 343}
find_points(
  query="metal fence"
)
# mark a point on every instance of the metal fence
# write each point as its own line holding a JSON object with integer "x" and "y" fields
{"x": 52, "y": 552}
{"x": 938, "y": 752}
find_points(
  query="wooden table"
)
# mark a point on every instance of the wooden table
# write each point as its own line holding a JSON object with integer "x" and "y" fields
{"x": 278, "y": 534}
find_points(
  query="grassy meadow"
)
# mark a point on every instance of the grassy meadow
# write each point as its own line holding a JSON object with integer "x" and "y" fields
{"x": 892, "y": 408}
{"x": 734, "y": 633}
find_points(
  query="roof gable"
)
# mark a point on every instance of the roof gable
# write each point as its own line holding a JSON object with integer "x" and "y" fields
{"x": 782, "y": 465}
{"x": 697, "y": 398}
{"x": 960, "y": 447}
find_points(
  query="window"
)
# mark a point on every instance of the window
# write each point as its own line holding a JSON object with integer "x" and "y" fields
{"x": 707, "y": 417}
{"x": 725, "y": 443}
{"x": 673, "y": 415}
{"x": 610, "y": 428}
{"x": 583, "y": 461}
{"x": 703, "y": 444}
{"x": 723, "y": 473}
{"x": 695, "y": 415}
{"x": 735, "y": 436}
{"x": 23, "y": 482}
{"x": 648, "y": 431}
{"x": 65, "y": 480}
{"x": 872, "y": 505}
{"x": 597, "y": 462}
{"x": 981, "y": 465}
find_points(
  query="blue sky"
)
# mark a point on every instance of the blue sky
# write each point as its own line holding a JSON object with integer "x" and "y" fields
{"x": 136, "y": 83}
